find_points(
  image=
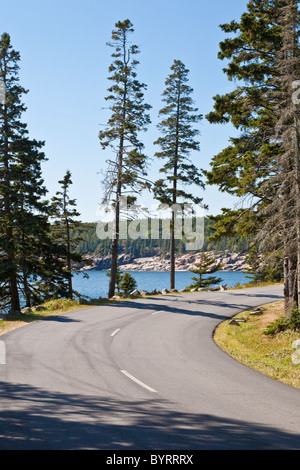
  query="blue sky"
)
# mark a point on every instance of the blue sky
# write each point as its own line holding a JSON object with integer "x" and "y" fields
{"x": 64, "y": 64}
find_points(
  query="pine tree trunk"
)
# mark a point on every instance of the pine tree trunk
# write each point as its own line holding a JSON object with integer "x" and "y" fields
{"x": 292, "y": 266}
{"x": 172, "y": 253}
{"x": 114, "y": 253}
{"x": 175, "y": 175}
{"x": 26, "y": 288}
{"x": 70, "y": 294}
{"x": 115, "y": 241}
{"x": 12, "y": 279}
{"x": 14, "y": 294}
{"x": 297, "y": 165}
{"x": 13, "y": 284}
{"x": 286, "y": 285}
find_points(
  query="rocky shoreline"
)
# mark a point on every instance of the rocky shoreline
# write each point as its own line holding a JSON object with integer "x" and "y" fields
{"x": 229, "y": 261}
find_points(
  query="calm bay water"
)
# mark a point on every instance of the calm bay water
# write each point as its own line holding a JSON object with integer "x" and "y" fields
{"x": 97, "y": 283}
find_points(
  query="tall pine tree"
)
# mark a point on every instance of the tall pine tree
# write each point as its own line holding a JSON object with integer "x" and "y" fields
{"x": 12, "y": 131}
{"x": 30, "y": 264}
{"x": 281, "y": 228}
{"x": 22, "y": 214}
{"x": 259, "y": 165}
{"x": 243, "y": 168}
{"x": 126, "y": 174}
{"x": 66, "y": 223}
{"x": 178, "y": 140}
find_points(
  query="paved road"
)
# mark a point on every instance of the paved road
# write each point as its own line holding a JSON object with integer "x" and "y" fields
{"x": 145, "y": 374}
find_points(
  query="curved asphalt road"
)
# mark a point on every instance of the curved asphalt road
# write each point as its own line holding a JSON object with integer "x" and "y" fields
{"x": 144, "y": 374}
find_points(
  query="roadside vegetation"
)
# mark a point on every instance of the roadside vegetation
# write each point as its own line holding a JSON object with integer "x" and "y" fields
{"x": 265, "y": 341}
{"x": 51, "y": 308}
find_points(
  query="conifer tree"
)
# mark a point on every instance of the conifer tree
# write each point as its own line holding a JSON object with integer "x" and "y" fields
{"x": 203, "y": 267}
{"x": 31, "y": 231}
{"x": 244, "y": 167}
{"x": 126, "y": 174}
{"x": 128, "y": 283}
{"x": 260, "y": 165}
{"x": 281, "y": 228}
{"x": 30, "y": 263}
{"x": 64, "y": 210}
{"x": 178, "y": 140}
{"x": 24, "y": 228}
{"x": 11, "y": 133}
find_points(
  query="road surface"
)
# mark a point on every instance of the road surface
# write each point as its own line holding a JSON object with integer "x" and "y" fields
{"x": 142, "y": 374}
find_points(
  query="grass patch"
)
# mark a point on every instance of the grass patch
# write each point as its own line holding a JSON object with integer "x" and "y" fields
{"x": 51, "y": 308}
{"x": 252, "y": 284}
{"x": 249, "y": 344}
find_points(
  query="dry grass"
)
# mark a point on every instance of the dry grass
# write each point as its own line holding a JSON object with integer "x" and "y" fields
{"x": 18, "y": 321}
{"x": 6, "y": 325}
{"x": 51, "y": 308}
{"x": 270, "y": 355}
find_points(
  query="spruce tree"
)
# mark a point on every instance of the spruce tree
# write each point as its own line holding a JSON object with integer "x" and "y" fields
{"x": 260, "y": 165}
{"x": 12, "y": 131}
{"x": 178, "y": 140}
{"x": 281, "y": 228}
{"x": 24, "y": 228}
{"x": 128, "y": 283}
{"x": 203, "y": 267}
{"x": 126, "y": 174}
{"x": 243, "y": 168}
{"x": 66, "y": 222}
{"x": 31, "y": 231}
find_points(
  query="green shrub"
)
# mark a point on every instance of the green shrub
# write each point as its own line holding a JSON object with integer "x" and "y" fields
{"x": 128, "y": 283}
{"x": 60, "y": 304}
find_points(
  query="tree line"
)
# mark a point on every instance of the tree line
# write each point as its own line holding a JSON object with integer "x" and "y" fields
{"x": 89, "y": 243}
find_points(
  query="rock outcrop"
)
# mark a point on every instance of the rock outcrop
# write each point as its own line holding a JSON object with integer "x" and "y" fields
{"x": 229, "y": 261}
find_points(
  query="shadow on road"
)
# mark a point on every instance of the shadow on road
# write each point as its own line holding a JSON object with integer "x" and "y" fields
{"x": 39, "y": 419}
{"x": 197, "y": 306}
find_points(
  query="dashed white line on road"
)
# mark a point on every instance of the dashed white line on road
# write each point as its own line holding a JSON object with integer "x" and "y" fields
{"x": 115, "y": 332}
{"x": 138, "y": 381}
{"x": 2, "y": 353}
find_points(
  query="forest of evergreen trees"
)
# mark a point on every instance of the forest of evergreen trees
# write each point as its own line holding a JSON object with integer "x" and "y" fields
{"x": 41, "y": 242}
{"x": 92, "y": 245}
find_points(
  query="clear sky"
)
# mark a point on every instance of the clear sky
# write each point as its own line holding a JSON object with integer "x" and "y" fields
{"x": 64, "y": 64}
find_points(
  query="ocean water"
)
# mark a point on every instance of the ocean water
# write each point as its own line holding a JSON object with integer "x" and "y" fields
{"x": 97, "y": 283}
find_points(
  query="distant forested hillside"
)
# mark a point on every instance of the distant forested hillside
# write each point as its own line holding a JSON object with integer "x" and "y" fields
{"x": 139, "y": 248}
